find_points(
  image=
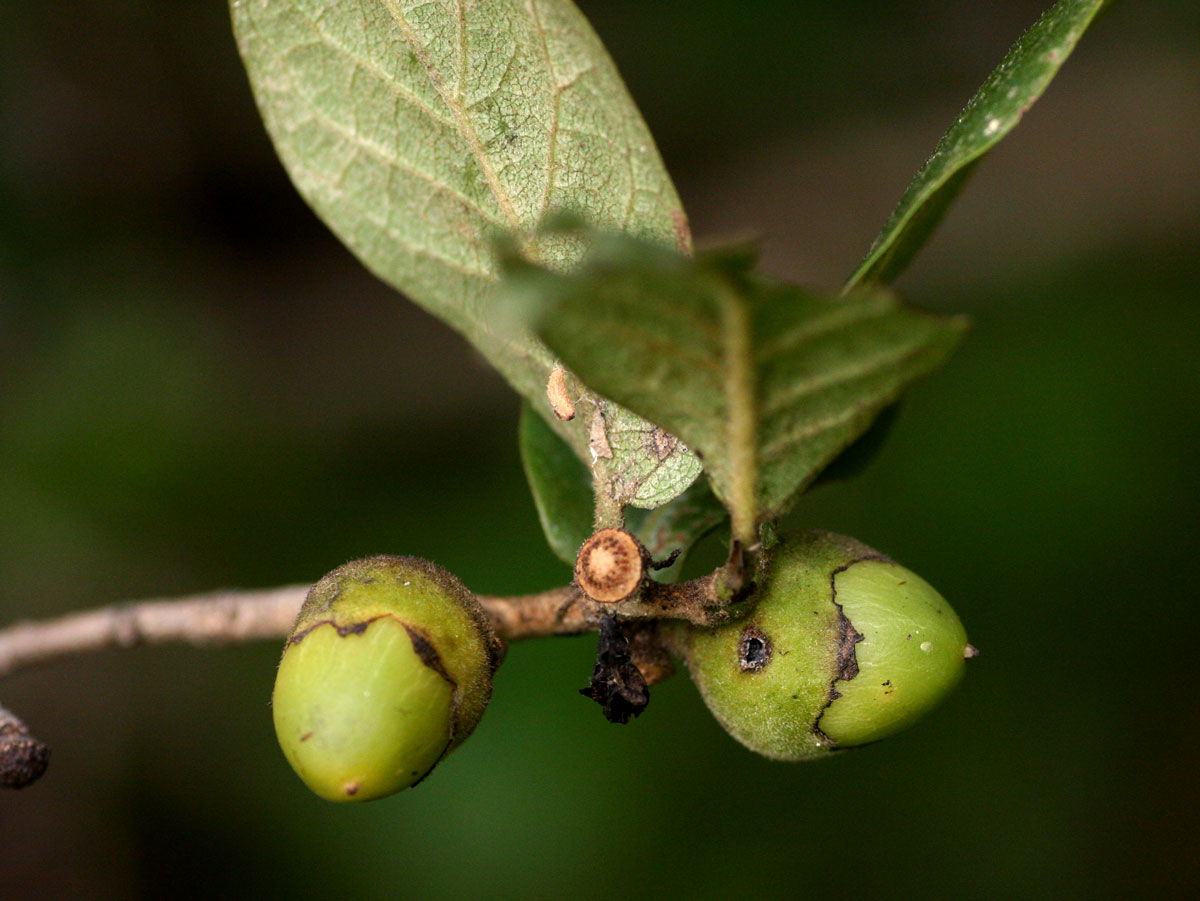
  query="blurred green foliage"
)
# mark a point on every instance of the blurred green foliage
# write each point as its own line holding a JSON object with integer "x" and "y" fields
{"x": 199, "y": 388}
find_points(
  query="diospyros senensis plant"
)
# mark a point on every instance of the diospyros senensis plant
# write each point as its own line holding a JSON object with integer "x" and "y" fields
{"x": 486, "y": 160}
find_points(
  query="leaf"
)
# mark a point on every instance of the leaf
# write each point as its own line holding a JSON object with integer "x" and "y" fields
{"x": 677, "y": 526}
{"x": 767, "y": 382}
{"x": 648, "y": 466}
{"x": 859, "y": 455}
{"x": 562, "y": 493}
{"x": 561, "y": 486}
{"x": 991, "y": 114}
{"x": 420, "y": 132}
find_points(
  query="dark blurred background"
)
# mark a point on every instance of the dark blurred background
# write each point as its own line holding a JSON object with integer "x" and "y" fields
{"x": 200, "y": 388}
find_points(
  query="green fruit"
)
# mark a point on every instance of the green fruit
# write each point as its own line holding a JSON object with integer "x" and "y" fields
{"x": 388, "y": 669}
{"x": 842, "y": 647}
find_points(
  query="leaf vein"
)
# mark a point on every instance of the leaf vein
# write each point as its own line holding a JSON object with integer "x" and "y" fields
{"x": 325, "y": 39}
{"x": 389, "y": 229}
{"x": 555, "y": 111}
{"x": 840, "y": 317}
{"x": 382, "y": 155}
{"x": 465, "y": 127}
{"x": 831, "y": 378}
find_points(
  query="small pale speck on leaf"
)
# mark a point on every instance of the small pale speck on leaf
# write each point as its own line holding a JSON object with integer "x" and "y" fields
{"x": 598, "y": 438}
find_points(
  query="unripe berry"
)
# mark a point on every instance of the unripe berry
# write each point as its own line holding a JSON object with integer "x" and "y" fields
{"x": 843, "y": 647}
{"x": 388, "y": 669}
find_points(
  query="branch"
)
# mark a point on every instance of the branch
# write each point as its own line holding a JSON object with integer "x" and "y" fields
{"x": 214, "y": 618}
{"x": 206, "y": 619}
{"x": 234, "y": 616}
{"x": 225, "y": 617}
{"x": 559, "y": 611}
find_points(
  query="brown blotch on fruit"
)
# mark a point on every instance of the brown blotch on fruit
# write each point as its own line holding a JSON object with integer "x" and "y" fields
{"x": 610, "y": 566}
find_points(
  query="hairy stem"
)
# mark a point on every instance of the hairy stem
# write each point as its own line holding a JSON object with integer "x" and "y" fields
{"x": 609, "y": 513}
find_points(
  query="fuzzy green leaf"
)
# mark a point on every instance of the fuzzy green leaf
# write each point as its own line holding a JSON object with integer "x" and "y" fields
{"x": 422, "y": 131}
{"x": 992, "y": 113}
{"x": 767, "y": 382}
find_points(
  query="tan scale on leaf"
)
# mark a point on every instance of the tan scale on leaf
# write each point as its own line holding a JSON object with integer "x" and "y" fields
{"x": 560, "y": 397}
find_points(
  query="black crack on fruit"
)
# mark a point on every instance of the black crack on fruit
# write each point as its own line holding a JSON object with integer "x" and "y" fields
{"x": 427, "y": 652}
{"x": 424, "y": 649}
{"x": 754, "y": 650}
{"x": 846, "y": 660}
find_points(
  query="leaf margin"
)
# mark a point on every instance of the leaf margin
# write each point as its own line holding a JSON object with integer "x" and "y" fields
{"x": 939, "y": 180}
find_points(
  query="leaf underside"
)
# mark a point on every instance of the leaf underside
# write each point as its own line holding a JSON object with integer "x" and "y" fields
{"x": 420, "y": 132}
{"x": 768, "y": 383}
{"x": 992, "y": 113}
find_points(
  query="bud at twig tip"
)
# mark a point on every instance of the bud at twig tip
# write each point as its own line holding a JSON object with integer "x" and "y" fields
{"x": 23, "y": 759}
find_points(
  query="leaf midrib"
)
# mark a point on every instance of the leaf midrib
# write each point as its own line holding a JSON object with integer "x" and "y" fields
{"x": 741, "y": 404}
